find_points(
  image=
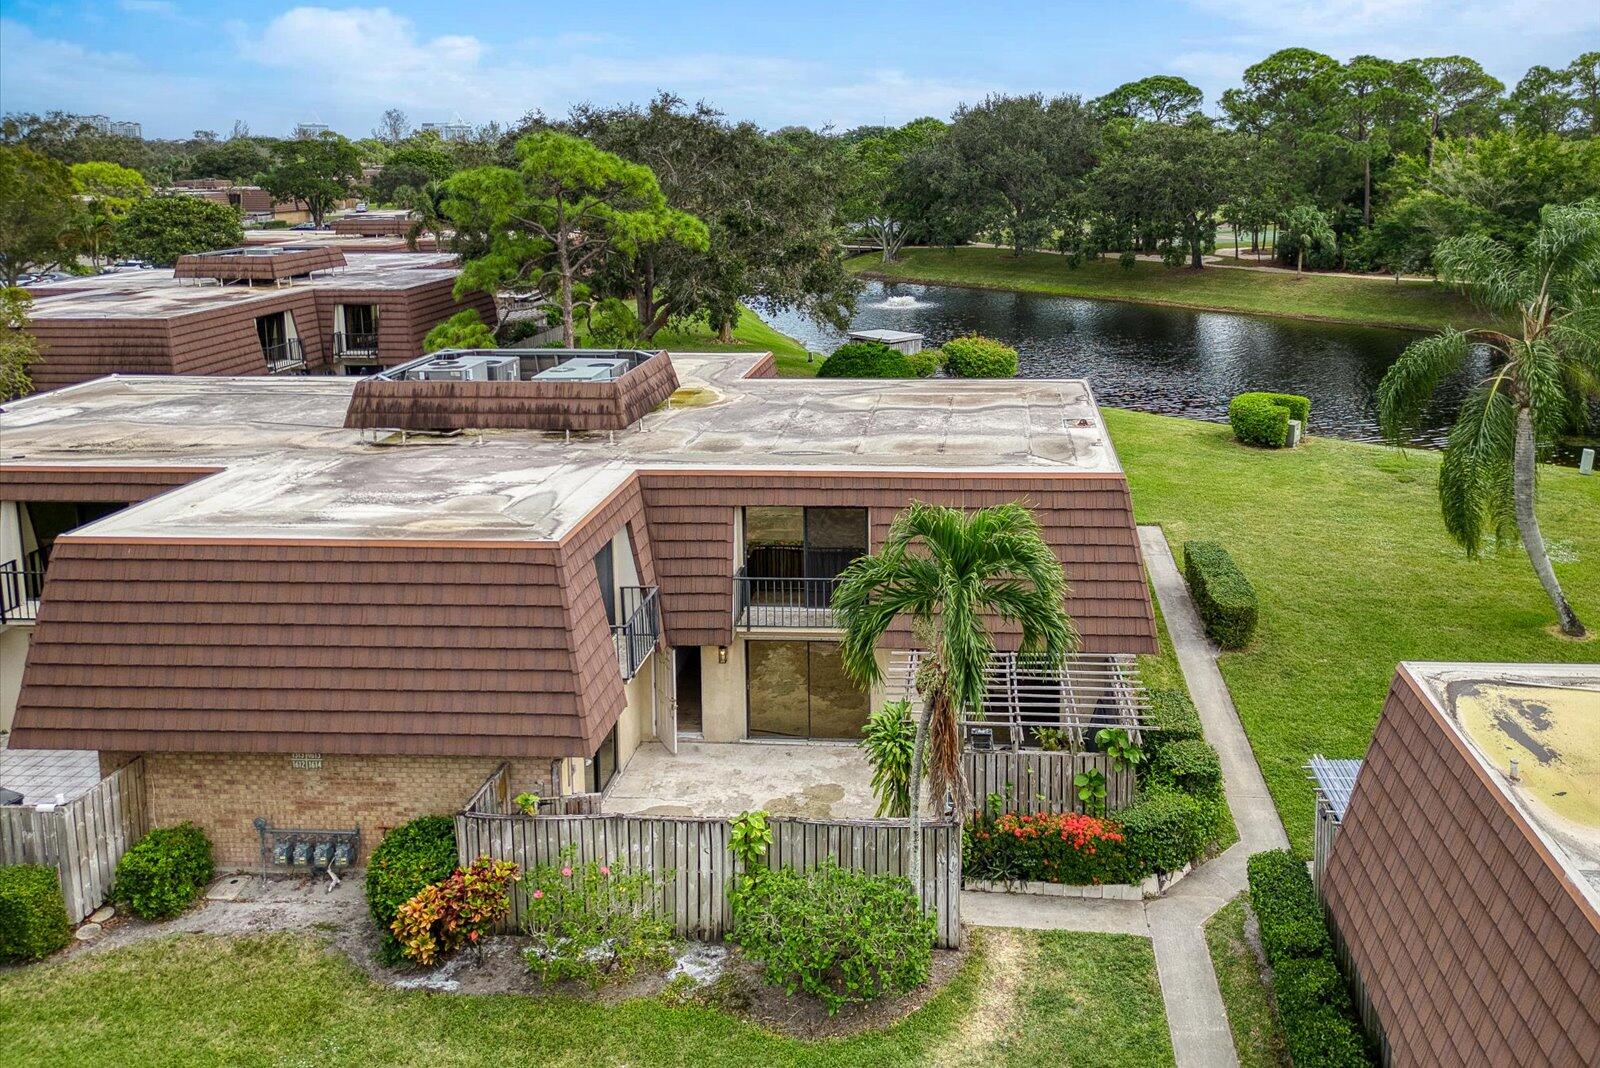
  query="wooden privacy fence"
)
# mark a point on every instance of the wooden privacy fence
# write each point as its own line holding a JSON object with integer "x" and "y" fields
{"x": 692, "y": 856}
{"x": 82, "y": 839}
{"x": 1035, "y": 781}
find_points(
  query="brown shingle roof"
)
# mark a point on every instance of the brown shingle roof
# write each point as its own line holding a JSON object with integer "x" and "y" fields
{"x": 1474, "y": 944}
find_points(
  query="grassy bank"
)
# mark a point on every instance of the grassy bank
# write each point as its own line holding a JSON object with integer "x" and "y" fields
{"x": 1257, "y": 1035}
{"x": 1075, "y": 998}
{"x": 752, "y": 334}
{"x": 1368, "y": 301}
{"x": 1346, "y": 550}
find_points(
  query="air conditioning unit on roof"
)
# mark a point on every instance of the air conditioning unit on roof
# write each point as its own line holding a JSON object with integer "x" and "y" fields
{"x": 471, "y": 369}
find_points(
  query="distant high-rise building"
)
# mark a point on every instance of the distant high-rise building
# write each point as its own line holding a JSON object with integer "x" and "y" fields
{"x": 307, "y": 130}
{"x": 126, "y": 129}
{"x": 449, "y": 131}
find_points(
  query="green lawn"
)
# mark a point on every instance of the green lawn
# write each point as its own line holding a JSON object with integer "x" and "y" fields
{"x": 752, "y": 333}
{"x": 276, "y": 1000}
{"x": 1257, "y": 1035}
{"x": 1371, "y": 301}
{"x": 1346, "y": 550}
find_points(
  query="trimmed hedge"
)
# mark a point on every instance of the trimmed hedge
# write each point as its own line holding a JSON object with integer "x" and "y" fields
{"x": 165, "y": 872}
{"x": 1189, "y": 764}
{"x": 866, "y": 359}
{"x": 1224, "y": 597}
{"x": 410, "y": 857}
{"x": 925, "y": 363}
{"x": 1173, "y": 716}
{"x": 1314, "y": 1006}
{"x": 33, "y": 915}
{"x": 976, "y": 356}
{"x": 1263, "y": 418}
{"x": 1162, "y": 831}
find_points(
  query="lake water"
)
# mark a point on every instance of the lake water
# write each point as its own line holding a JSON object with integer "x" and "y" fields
{"x": 1166, "y": 360}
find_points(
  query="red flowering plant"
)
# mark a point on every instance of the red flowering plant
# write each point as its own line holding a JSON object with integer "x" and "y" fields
{"x": 1056, "y": 847}
{"x": 457, "y": 911}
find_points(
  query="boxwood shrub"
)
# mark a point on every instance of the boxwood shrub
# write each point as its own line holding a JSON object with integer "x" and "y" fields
{"x": 1189, "y": 764}
{"x": 1173, "y": 716}
{"x": 1224, "y": 597}
{"x": 976, "y": 356}
{"x": 925, "y": 363}
{"x": 1162, "y": 831}
{"x": 410, "y": 857}
{"x": 164, "y": 872}
{"x": 1314, "y": 1006}
{"x": 837, "y": 934}
{"x": 866, "y": 359}
{"x": 1263, "y": 418}
{"x": 33, "y": 915}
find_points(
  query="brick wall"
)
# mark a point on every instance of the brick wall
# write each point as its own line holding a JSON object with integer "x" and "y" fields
{"x": 224, "y": 792}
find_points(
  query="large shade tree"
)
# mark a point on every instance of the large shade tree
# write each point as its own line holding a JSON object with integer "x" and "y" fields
{"x": 948, "y": 573}
{"x": 552, "y": 221}
{"x": 882, "y": 195}
{"x": 1158, "y": 98}
{"x": 315, "y": 171}
{"x": 1175, "y": 179}
{"x": 1547, "y": 370}
{"x": 37, "y": 206}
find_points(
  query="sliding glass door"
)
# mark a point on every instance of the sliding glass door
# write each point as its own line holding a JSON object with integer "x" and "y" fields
{"x": 798, "y": 689}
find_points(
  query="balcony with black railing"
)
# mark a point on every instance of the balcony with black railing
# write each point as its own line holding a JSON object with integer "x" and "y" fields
{"x": 21, "y": 583}
{"x": 355, "y": 347}
{"x": 284, "y": 356}
{"x": 636, "y": 636}
{"x": 785, "y": 587}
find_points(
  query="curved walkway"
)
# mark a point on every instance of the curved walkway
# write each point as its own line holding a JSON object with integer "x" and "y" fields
{"x": 1175, "y": 923}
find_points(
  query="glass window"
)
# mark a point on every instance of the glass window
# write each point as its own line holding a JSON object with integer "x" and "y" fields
{"x": 799, "y": 690}
{"x": 784, "y": 541}
{"x": 605, "y": 568}
{"x": 604, "y": 764}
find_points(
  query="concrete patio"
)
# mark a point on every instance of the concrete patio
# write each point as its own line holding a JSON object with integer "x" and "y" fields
{"x": 817, "y": 780}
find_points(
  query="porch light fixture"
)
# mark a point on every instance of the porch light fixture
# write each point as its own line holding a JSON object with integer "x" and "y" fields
{"x": 722, "y": 654}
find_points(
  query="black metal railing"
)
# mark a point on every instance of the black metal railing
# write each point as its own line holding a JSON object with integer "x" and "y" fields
{"x": 285, "y": 355}
{"x": 761, "y": 601}
{"x": 355, "y": 345}
{"x": 20, "y": 587}
{"x": 636, "y": 636}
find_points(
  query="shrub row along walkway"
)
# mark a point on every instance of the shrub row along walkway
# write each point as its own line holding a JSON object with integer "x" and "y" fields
{"x": 1175, "y": 924}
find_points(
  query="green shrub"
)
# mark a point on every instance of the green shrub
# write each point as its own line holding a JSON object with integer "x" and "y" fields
{"x": 1286, "y": 907}
{"x": 457, "y": 911}
{"x": 1162, "y": 831}
{"x": 1263, "y": 418}
{"x": 975, "y": 356}
{"x": 165, "y": 872}
{"x": 590, "y": 923}
{"x": 887, "y": 739}
{"x": 839, "y": 935}
{"x": 33, "y": 916}
{"x": 273, "y": 224}
{"x": 463, "y": 330}
{"x": 515, "y": 330}
{"x": 410, "y": 857}
{"x": 1190, "y": 764}
{"x": 1319, "y": 1021}
{"x": 1224, "y": 597}
{"x": 1173, "y": 716}
{"x": 866, "y": 359}
{"x": 926, "y": 363}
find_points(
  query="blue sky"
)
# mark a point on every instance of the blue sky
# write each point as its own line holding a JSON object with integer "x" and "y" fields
{"x": 181, "y": 65}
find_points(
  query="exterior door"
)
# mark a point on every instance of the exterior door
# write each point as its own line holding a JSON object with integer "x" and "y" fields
{"x": 798, "y": 689}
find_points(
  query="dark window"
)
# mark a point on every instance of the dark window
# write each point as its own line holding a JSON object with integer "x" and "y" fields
{"x": 605, "y": 568}
{"x": 360, "y": 318}
{"x": 799, "y": 690}
{"x": 604, "y": 764}
{"x": 272, "y": 331}
{"x": 784, "y": 541}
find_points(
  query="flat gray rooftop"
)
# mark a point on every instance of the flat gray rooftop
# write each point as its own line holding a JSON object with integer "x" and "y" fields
{"x": 294, "y": 471}
{"x": 1546, "y": 717}
{"x": 156, "y": 294}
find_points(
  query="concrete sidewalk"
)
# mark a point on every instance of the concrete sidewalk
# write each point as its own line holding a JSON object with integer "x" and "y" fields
{"x": 1175, "y": 923}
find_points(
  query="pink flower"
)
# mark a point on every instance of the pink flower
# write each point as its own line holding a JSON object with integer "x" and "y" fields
{"x": 605, "y": 869}
{"x": 537, "y": 894}
{"x": 566, "y": 873}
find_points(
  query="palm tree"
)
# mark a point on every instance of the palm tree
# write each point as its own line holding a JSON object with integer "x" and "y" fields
{"x": 426, "y": 206}
{"x": 945, "y": 571}
{"x": 1546, "y": 371}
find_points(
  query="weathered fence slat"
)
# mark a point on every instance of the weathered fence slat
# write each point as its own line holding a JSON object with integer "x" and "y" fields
{"x": 83, "y": 839}
{"x": 694, "y": 859}
{"x": 1030, "y": 781}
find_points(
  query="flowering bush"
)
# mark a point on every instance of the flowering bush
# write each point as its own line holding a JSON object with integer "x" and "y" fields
{"x": 457, "y": 911}
{"x": 1057, "y": 847}
{"x": 591, "y": 923}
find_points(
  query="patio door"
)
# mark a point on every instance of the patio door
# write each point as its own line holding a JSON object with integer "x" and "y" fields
{"x": 798, "y": 689}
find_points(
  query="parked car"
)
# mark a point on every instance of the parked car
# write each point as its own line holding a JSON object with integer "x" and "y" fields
{"x": 304, "y": 226}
